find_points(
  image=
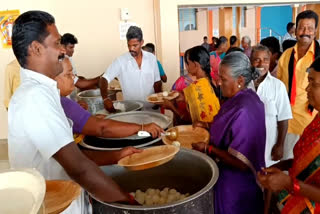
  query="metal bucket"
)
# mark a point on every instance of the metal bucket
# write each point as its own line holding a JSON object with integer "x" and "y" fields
{"x": 94, "y": 100}
{"x": 189, "y": 172}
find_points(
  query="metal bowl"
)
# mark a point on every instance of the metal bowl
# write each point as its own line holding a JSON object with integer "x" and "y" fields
{"x": 129, "y": 105}
{"x": 94, "y": 99}
{"x": 188, "y": 172}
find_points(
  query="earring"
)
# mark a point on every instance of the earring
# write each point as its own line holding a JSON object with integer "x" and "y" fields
{"x": 239, "y": 86}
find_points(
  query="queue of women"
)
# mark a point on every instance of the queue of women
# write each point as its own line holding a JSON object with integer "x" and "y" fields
{"x": 235, "y": 118}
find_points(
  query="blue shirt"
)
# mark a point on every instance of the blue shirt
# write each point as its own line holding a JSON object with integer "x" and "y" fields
{"x": 161, "y": 71}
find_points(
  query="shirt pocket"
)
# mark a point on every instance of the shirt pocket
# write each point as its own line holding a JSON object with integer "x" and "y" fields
{"x": 270, "y": 108}
{"x": 148, "y": 78}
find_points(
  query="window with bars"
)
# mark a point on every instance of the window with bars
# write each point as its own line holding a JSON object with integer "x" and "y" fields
{"x": 187, "y": 19}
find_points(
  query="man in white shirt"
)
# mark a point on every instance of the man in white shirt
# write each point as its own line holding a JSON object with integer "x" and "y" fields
{"x": 137, "y": 71}
{"x": 40, "y": 135}
{"x": 290, "y": 32}
{"x": 273, "y": 94}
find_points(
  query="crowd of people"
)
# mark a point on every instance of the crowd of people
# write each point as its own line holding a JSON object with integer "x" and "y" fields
{"x": 259, "y": 104}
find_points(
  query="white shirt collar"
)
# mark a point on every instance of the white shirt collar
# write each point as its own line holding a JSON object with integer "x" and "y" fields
{"x": 251, "y": 84}
{"x": 144, "y": 55}
{"x": 29, "y": 74}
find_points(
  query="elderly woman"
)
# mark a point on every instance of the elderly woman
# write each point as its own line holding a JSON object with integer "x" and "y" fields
{"x": 237, "y": 141}
{"x": 300, "y": 190}
{"x": 85, "y": 123}
{"x": 200, "y": 96}
{"x": 246, "y": 45}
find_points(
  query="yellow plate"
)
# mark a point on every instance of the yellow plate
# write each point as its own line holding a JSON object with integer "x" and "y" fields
{"x": 188, "y": 135}
{"x": 150, "y": 157}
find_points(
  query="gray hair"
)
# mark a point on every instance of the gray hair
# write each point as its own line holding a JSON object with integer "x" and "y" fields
{"x": 247, "y": 40}
{"x": 260, "y": 48}
{"x": 240, "y": 65}
{"x": 134, "y": 32}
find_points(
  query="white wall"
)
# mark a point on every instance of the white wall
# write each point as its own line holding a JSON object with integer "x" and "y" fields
{"x": 250, "y": 28}
{"x": 189, "y": 39}
{"x": 96, "y": 25}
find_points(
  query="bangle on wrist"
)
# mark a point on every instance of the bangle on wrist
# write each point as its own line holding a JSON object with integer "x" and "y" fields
{"x": 295, "y": 187}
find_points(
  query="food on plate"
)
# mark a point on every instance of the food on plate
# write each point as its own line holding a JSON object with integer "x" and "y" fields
{"x": 153, "y": 99}
{"x": 165, "y": 93}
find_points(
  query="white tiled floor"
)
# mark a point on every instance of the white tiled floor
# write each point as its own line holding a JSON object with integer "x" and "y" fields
{"x": 4, "y": 163}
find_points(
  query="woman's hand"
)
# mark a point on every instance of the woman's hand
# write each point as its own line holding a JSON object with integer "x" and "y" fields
{"x": 168, "y": 104}
{"x": 200, "y": 124}
{"x": 201, "y": 146}
{"x": 181, "y": 97}
{"x": 274, "y": 179}
{"x": 153, "y": 129}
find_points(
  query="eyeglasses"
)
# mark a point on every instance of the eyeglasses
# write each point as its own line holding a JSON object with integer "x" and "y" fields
{"x": 70, "y": 75}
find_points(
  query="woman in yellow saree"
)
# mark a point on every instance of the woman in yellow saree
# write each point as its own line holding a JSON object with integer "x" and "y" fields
{"x": 202, "y": 102}
{"x": 300, "y": 190}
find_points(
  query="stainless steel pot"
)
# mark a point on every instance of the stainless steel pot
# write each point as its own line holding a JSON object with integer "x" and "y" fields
{"x": 94, "y": 99}
{"x": 189, "y": 172}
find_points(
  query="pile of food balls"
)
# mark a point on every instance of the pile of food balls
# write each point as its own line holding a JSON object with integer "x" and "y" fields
{"x": 158, "y": 197}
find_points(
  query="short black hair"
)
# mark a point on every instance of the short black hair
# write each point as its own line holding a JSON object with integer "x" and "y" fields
{"x": 272, "y": 43}
{"x": 146, "y": 48}
{"x": 316, "y": 64}
{"x": 151, "y": 47}
{"x": 214, "y": 39}
{"x": 288, "y": 44}
{"x": 221, "y": 40}
{"x": 307, "y": 14}
{"x": 233, "y": 39}
{"x": 233, "y": 49}
{"x": 289, "y": 26}
{"x": 134, "y": 32}
{"x": 28, "y": 27}
{"x": 68, "y": 38}
{"x": 205, "y": 37}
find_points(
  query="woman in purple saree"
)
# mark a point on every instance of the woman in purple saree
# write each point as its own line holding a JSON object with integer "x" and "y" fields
{"x": 237, "y": 141}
